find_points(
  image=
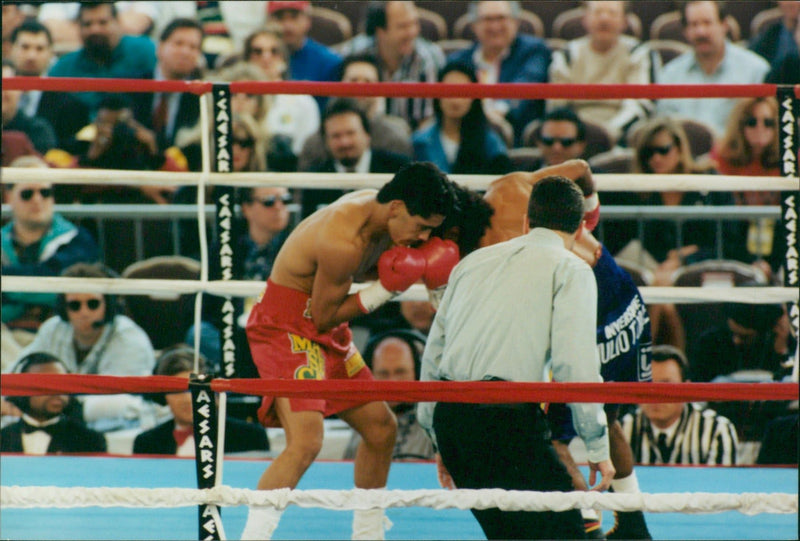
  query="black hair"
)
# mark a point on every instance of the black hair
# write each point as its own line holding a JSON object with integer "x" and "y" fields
{"x": 423, "y": 188}
{"x": 564, "y": 114}
{"x": 472, "y": 217}
{"x": 474, "y": 125}
{"x": 179, "y": 23}
{"x": 365, "y": 58}
{"x": 414, "y": 339}
{"x": 375, "y": 18}
{"x": 32, "y": 26}
{"x": 340, "y": 106}
{"x": 89, "y": 270}
{"x": 759, "y": 317}
{"x": 24, "y": 365}
{"x": 85, "y": 6}
{"x": 722, "y": 10}
{"x": 665, "y": 352}
{"x": 556, "y": 203}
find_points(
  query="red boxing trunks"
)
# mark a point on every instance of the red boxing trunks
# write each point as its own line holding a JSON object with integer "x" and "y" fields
{"x": 285, "y": 344}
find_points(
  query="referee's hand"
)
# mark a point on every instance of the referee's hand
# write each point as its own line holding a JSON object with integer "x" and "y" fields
{"x": 607, "y": 471}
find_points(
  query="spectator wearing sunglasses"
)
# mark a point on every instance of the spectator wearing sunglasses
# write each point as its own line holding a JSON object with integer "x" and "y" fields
{"x": 266, "y": 214}
{"x": 561, "y": 137}
{"x": 661, "y": 147}
{"x": 36, "y": 242}
{"x": 751, "y": 147}
{"x": 91, "y": 336}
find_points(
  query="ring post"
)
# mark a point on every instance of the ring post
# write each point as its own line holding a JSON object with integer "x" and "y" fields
{"x": 204, "y": 410}
{"x": 788, "y": 114}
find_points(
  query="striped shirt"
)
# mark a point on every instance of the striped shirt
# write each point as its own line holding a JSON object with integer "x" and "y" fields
{"x": 421, "y": 66}
{"x": 701, "y": 437}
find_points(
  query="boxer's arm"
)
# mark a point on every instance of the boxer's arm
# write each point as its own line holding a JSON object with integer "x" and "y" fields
{"x": 331, "y": 302}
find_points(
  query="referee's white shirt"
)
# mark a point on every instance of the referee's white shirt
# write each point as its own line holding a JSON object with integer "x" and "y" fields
{"x": 514, "y": 311}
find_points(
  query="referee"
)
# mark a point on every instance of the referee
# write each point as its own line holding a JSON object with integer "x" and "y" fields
{"x": 511, "y": 312}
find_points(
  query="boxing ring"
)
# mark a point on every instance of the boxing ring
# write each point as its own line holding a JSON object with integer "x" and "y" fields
{"x": 52, "y": 497}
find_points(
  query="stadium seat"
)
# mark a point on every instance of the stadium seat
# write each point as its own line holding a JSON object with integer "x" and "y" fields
{"x": 329, "y": 27}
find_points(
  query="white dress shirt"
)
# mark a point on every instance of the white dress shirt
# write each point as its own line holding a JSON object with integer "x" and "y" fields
{"x": 515, "y": 311}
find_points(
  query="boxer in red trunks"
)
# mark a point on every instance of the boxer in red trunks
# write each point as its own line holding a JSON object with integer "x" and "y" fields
{"x": 299, "y": 329}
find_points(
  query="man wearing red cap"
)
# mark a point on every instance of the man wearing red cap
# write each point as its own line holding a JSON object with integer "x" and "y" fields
{"x": 309, "y": 59}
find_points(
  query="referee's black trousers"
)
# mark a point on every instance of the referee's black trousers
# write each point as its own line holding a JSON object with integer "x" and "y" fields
{"x": 506, "y": 446}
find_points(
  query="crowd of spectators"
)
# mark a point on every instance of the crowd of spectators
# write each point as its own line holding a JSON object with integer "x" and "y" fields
{"x": 271, "y": 41}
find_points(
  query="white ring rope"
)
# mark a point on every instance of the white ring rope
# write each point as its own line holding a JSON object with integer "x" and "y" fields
{"x": 507, "y": 500}
{"x": 171, "y": 289}
{"x": 604, "y": 182}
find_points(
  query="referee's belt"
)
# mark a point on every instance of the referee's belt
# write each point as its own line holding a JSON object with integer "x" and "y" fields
{"x": 504, "y": 405}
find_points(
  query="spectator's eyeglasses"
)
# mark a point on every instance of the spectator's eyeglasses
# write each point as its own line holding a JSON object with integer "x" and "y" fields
{"x": 27, "y": 194}
{"x": 752, "y": 122}
{"x": 92, "y": 304}
{"x": 651, "y": 151}
{"x": 270, "y": 200}
{"x": 244, "y": 142}
{"x": 258, "y": 51}
{"x": 550, "y": 141}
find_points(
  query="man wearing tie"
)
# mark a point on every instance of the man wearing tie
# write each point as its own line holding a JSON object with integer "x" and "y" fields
{"x": 45, "y": 426}
{"x": 346, "y": 130}
{"x": 678, "y": 433}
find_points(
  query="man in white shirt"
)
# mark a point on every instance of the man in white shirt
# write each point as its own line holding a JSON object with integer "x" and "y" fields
{"x": 713, "y": 60}
{"x": 677, "y": 432}
{"x": 604, "y": 56}
{"x": 537, "y": 311}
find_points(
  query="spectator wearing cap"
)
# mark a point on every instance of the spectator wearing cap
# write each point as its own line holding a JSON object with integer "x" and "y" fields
{"x": 176, "y": 436}
{"x": 46, "y": 424}
{"x": 309, "y": 60}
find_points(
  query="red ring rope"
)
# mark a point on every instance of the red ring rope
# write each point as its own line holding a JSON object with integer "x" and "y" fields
{"x": 412, "y": 391}
{"x": 408, "y": 90}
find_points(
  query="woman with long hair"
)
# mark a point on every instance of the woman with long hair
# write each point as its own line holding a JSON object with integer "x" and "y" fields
{"x": 460, "y": 139}
{"x": 662, "y": 148}
{"x": 751, "y": 147}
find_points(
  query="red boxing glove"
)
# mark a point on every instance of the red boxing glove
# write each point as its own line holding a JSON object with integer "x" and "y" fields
{"x": 591, "y": 211}
{"x": 399, "y": 267}
{"x": 441, "y": 256}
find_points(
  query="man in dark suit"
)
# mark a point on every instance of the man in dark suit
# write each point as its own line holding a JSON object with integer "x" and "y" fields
{"x": 178, "y": 54}
{"x": 45, "y": 427}
{"x": 175, "y": 436}
{"x": 32, "y": 54}
{"x": 346, "y": 130}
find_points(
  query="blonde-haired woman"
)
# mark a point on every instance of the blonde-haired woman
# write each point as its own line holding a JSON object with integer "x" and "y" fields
{"x": 291, "y": 117}
{"x": 249, "y": 144}
{"x": 751, "y": 147}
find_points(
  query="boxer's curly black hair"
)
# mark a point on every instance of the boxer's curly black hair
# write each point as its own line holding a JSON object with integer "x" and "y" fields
{"x": 468, "y": 223}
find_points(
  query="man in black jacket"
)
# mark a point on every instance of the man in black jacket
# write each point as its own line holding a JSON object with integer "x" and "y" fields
{"x": 175, "y": 436}
{"x": 346, "y": 130}
{"x": 45, "y": 426}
